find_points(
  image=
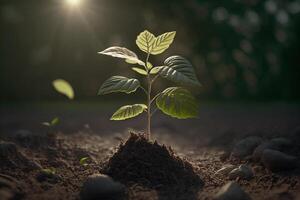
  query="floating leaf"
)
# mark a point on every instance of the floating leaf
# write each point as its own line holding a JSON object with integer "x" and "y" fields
{"x": 162, "y": 42}
{"x": 128, "y": 111}
{"x": 145, "y": 41}
{"x": 177, "y": 102}
{"x": 119, "y": 84}
{"x": 83, "y": 161}
{"x": 121, "y": 52}
{"x": 139, "y": 70}
{"x": 179, "y": 70}
{"x": 63, "y": 87}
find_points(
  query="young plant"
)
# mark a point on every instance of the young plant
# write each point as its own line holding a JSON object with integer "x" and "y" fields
{"x": 177, "y": 102}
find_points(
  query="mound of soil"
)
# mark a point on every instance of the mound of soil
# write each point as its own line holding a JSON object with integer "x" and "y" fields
{"x": 148, "y": 163}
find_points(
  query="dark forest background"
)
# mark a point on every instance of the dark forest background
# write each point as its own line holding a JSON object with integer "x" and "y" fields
{"x": 241, "y": 49}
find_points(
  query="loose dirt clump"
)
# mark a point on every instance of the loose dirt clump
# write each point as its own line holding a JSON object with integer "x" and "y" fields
{"x": 148, "y": 163}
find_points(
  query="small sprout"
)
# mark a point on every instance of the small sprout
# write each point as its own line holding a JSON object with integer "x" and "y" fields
{"x": 83, "y": 161}
{"x": 52, "y": 123}
{"x": 176, "y": 102}
{"x": 49, "y": 171}
{"x": 64, "y": 88}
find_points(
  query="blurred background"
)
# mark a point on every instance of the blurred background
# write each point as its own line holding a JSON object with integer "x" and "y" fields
{"x": 244, "y": 50}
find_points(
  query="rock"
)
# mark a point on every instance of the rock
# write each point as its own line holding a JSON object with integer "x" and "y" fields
{"x": 225, "y": 169}
{"x": 242, "y": 172}
{"x": 279, "y": 144}
{"x": 9, "y": 188}
{"x": 100, "y": 186}
{"x": 231, "y": 191}
{"x": 245, "y": 147}
{"x": 10, "y": 156}
{"x": 295, "y": 135}
{"x": 278, "y": 161}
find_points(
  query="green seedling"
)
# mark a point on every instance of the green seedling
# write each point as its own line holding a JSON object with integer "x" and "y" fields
{"x": 176, "y": 102}
{"x": 83, "y": 161}
{"x": 50, "y": 171}
{"x": 52, "y": 123}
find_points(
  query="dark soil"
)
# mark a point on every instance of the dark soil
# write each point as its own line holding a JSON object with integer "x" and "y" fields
{"x": 149, "y": 170}
{"x": 151, "y": 164}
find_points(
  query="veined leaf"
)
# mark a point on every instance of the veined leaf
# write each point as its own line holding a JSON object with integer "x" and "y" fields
{"x": 128, "y": 111}
{"x": 139, "y": 70}
{"x": 119, "y": 84}
{"x": 121, "y": 52}
{"x": 162, "y": 42}
{"x": 179, "y": 70}
{"x": 63, "y": 87}
{"x": 155, "y": 70}
{"x": 149, "y": 65}
{"x": 177, "y": 102}
{"x": 145, "y": 41}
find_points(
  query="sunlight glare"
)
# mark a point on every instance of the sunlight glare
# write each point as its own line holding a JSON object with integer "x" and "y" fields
{"x": 73, "y": 2}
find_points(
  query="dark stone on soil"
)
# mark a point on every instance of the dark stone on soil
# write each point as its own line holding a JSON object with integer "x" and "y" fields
{"x": 11, "y": 157}
{"x": 245, "y": 147}
{"x": 100, "y": 186}
{"x": 150, "y": 164}
{"x": 242, "y": 172}
{"x": 232, "y": 191}
{"x": 279, "y": 144}
{"x": 277, "y": 161}
{"x": 9, "y": 188}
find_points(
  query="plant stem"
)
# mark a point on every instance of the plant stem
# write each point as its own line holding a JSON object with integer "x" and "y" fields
{"x": 149, "y": 82}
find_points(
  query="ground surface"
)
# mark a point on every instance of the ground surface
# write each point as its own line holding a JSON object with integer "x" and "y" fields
{"x": 85, "y": 131}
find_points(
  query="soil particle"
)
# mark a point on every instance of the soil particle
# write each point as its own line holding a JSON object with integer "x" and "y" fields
{"x": 100, "y": 186}
{"x": 150, "y": 164}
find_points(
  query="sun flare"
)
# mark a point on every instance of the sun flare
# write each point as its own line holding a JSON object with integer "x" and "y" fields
{"x": 73, "y": 2}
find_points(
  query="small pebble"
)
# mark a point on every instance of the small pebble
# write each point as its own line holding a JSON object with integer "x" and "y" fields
{"x": 231, "y": 191}
{"x": 278, "y": 161}
{"x": 100, "y": 186}
{"x": 245, "y": 147}
{"x": 242, "y": 172}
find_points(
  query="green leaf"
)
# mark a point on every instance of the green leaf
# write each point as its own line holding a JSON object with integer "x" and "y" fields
{"x": 162, "y": 42}
{"x": 50, "y": 171}
{"x": 83, "y": 161}
{"x": 145, "y": 41}
{"x": 149, "y": 65}
{"x": 128, "y": 111}
{"x": 155, "y": 70}
{"x": 119, "y": 84}
{"x": 63, "y": 87}
{"x": 46, "y": 124}
{"x": 121, "y": 52}
{"x": 179, "y": 70}
{"x": 177, "y": 102}
{"x": 54, "y": 121}
{"x": 139, "y": 70}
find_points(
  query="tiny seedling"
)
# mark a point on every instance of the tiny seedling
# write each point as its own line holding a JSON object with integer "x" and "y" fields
{"x": 176, "y": 102}
{"x": 49, "y": 171}
{"x": 52, "y": 123}
{"x": 83, "y": 161}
